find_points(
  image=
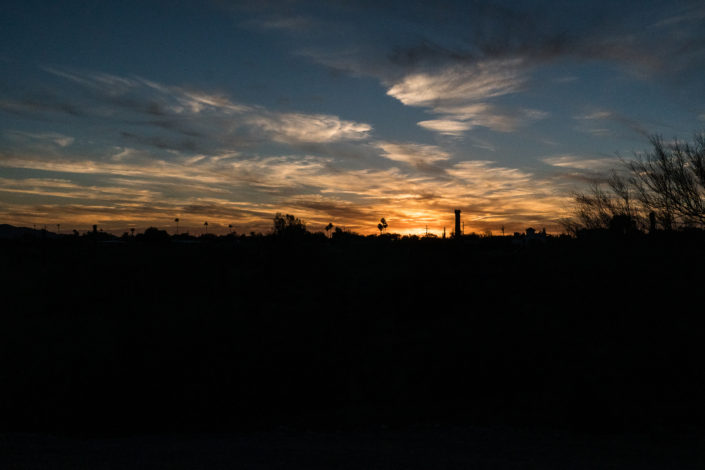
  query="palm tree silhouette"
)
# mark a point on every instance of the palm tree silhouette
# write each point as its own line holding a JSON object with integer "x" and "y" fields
{"x": 177, "y": 225}
{"x": 329, "y": 227}
{"x": 205, "y": 224}
{"x": 382, "y": 225}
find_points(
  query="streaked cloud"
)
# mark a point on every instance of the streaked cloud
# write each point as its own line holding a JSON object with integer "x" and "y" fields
{"x": 413, "y": 154}
{"x": 210, "y": 120}
{"x": 297, "y": 23}
{"x": 461, "y": 83}
{"x": 446, "y": 126}
{"x": 603, "y": 122}
{"x": 315, "y": 128}
{"x": 54, "y": 138}
{"x": 231, "y": 189}
{"x": 460, "y": 96}
{"x": 581, "y": 163}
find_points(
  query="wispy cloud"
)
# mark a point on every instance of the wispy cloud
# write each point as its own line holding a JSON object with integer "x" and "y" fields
{"x": 296, "y": 23}
{"x": 460, "y": 96}
{"x": 446, "y": 126}
{"x": 595, "y": 121}
{"x": 315, "y": 128}
{"x": 54, "y": 138}
{"x": 468, "y": 83}
{"x": 212, "y": 121}
{"x": 485, "y": 52}
{"x": 581, "y": 163}
{"x": 413, "y": 154}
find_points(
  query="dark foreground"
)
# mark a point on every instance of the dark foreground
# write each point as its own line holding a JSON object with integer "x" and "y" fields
{"x": 410, "y": 448}
{"x": 438, "y": 340}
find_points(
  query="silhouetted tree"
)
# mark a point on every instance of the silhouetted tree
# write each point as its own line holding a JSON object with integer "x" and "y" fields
{"x": 664, "y": 186}
{"x": 177, "y": 225}
{"x": 288, "y": 225}
{"x": 596, "y": 208}
{"x": 670, "y": 181}
{"x": 382, "y": 225}
{"x": 329, "y": 227}
{"x": 153, "y": 235}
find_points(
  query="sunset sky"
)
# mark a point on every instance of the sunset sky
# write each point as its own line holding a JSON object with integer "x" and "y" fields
{"x": 129, "y": 114}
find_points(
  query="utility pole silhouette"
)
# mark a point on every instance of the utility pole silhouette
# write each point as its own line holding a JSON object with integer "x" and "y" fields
{"x": 457, "y": 223}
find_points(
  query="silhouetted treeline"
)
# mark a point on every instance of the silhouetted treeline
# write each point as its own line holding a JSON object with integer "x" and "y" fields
{"x": 600, "y": 333}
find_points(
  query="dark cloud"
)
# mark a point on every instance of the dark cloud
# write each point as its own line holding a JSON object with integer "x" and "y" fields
{"x": 37, "y": 105}
{"x": 424, "y": 35}
{"x": 165, "y": 143}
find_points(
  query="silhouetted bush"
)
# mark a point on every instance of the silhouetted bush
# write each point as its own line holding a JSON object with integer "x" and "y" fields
{"x": 153, "y": 235}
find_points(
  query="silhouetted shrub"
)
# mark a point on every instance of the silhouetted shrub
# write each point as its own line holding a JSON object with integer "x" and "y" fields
{"x": 153, "y": 235}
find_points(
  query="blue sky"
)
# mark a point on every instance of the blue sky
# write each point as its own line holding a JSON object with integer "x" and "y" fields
{"x": 129, "y": 114}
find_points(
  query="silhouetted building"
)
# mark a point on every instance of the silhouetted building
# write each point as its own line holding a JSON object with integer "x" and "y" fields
{"x": 531, "y": 236}
{"x": 457, "y": 223}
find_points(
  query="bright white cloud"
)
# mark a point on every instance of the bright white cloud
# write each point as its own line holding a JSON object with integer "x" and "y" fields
{"x": 460, "y": 96}
{"x": 461, "y": 83}
{"x": 446, "y": 126}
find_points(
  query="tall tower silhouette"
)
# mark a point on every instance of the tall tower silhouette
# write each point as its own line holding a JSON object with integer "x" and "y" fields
{"x": 457, "y": 223}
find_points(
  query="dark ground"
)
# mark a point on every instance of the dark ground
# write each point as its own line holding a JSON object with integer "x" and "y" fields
{"x": 409, "y": 448}
{"x": 480, "y": 353}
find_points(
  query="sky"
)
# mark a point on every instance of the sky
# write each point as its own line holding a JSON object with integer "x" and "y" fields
{"x": 130, "y": 114}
